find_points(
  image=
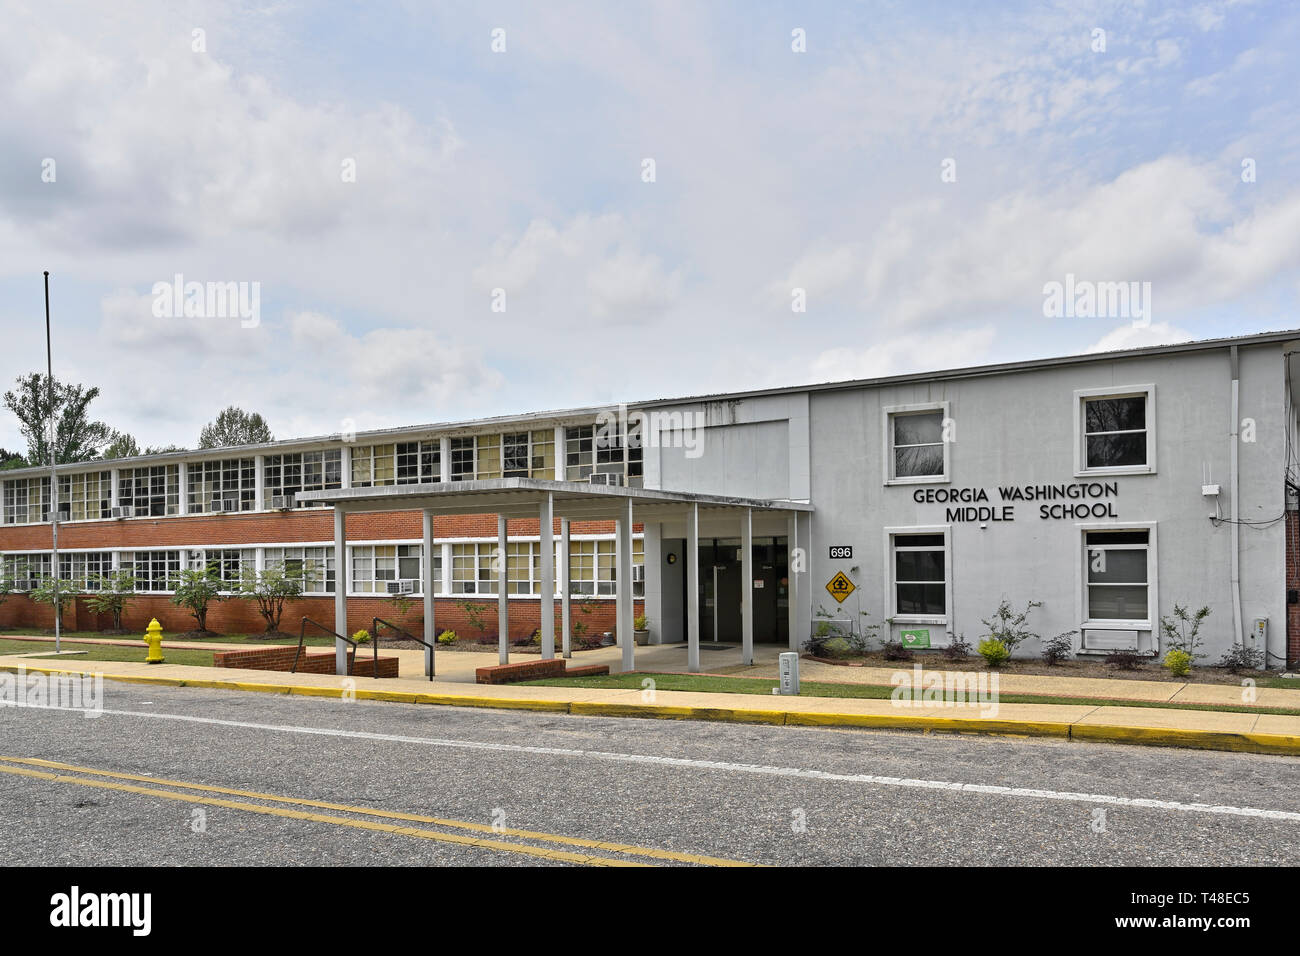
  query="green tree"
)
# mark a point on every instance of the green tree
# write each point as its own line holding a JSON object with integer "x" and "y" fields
{"x": 76, "y": 437}
{"x": 234, "y": 426}
{"x": 125, "y": 446}
{"x": 271, "y": 587}
{"x": 45, "y": 593}
{"x": 195, "y": 590}
{"x": 110, "y": 594}
{"x": 11, "y": 459}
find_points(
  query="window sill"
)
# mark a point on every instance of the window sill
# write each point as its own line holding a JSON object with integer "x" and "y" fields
{"x": 920, "y": 619}
{"x": 1108, "y": 472}
{"x": 1112, "y": 625}
{"x": 920, "y": 480}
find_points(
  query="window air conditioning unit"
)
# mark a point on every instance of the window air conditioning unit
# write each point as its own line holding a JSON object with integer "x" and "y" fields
{"x": 401, "y": 587}
{"x": 603, "y": 478}
{"x": 124, "y": 511}
{"x": 638, "y": 573}
{"x": 226, "y": 504}
{"x": 282, "y": 502}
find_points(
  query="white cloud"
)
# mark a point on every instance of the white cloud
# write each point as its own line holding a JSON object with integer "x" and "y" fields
{"x": 905, "y": 353}
{"x": 1139, "y": 336}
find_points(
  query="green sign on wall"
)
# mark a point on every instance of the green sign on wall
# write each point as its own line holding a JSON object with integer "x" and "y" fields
{"x": 917, "y": 638}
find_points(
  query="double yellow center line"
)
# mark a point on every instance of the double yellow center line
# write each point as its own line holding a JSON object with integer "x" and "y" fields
{"x": 625, "y": 854}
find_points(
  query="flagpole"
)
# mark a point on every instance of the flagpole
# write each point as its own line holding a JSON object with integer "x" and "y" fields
{"x": 54, "y": 477}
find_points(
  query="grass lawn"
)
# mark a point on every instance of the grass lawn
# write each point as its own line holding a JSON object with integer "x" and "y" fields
{"x": 105, "y": 652}
{"x": 713, "y": 684}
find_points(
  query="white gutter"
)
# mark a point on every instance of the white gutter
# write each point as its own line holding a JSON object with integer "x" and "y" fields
{"x": 1236, "y": 499}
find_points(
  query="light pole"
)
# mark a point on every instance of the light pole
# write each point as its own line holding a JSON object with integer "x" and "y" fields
{"x": 54, "y": 477}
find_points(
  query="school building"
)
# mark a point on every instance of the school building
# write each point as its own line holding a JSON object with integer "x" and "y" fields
{"x": 1109, "y": 487}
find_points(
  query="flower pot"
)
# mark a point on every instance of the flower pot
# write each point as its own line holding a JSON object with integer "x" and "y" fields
{"x": 642, "y": 637}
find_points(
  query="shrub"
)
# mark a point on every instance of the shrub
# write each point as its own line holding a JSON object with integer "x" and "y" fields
{"x": 196, "y": 588}
{"x": 958, "y": 647}
{"x": 1124, "y": 660}
{"x": 58, "y": 597}
{"x": 836, "y": 647}
{"x": 447, "y": 637}
{"x": 641, "y": 623}
{"x": 271, "y": 587}
{"x": 1242, "y": 658}
{"x": 1007, "y": 625}
{"x": 896, "y": 650}
{"x": 362, "y": 636}
{"x": 994, "y": 652}
{"x": 1059, "y": 648}
{"x": 1178, "y": 663}
{"x": 1181, "y": 631}
{"x": 113, "y": 592}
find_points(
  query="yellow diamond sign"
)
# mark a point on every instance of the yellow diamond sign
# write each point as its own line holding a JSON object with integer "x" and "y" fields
{"x": 840, "y": 587}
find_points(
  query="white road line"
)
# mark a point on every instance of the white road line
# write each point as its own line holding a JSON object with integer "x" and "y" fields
{"x": 728, "y": 767}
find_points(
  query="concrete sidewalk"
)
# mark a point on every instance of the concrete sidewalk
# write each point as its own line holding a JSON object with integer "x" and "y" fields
{"x": 1246, "y": 732}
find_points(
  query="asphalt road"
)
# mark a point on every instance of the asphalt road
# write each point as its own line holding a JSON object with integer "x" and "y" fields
{"x": 665, "y": 791}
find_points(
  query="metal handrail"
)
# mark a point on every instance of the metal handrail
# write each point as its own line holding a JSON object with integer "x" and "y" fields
{"x": 374, "y": 629}
{"x": 302, "y": 635}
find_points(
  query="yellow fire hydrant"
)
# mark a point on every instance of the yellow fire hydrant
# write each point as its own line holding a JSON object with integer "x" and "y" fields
{"x": 153, "y": 637}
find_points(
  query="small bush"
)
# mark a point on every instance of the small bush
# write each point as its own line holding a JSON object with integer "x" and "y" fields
{"x": 895, "y": 650}
{"x": 958, "y": 647}
{"x": 1178, "y": 663}
{"x": 994, "y": 652}
{"x": 1058, "y": 648}
{"x": 836, "y": 647}
{"x": 1242, "y": 658}
{"x": 447, "y": 637}
{"x": 362, "y": 636}
{"x": 1124, "y": 660}
{"x": 641, "y": 623}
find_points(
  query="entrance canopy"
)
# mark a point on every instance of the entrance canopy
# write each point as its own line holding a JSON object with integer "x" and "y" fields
{"x": 546, "y": 500}
{"x": 520, "y": 498}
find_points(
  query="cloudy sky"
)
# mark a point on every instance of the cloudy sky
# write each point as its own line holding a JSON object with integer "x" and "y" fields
{"x": 216, "y": 141}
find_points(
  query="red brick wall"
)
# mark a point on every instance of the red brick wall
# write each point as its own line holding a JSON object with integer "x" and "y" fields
{"x": 238, "y": 616}
{"x": 1292, "y": 583}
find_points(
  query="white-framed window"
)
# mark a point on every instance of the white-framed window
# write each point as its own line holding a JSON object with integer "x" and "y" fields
{"x": 473, "y": 568}
{"x": 317, "y": 562}
{"x": 230, "y": 564}
{"x": 229, "y": 484}
{"x": 1115, "y": 430}
{"x": 26, "y": 500}
{"x": 373, "y": 465}
{"x": 26, "y": 570}
{"x": 475, "y": 456}
{"x": 524, "y": 567}
{"x": 592, "y": 448}
{"x": 153, "y": 570}
{"x": 915, "y": 450}
{"x": 919, "y": 564}
{"x": 151, "y": 491}
{"x": 638, "y": 560}
{"x": 592, "y": 567}
{"x": 528, "y": 454}
{"x": 83, "y": 568}
{"x": 286, "y": 475}
{"x": 374, "y": 566}
{"x": 1119, "y": 575}
{"x": 419, "y": 462}
{"x": 86, "y": 497}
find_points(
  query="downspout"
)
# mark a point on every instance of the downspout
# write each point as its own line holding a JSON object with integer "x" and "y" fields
{"x": 1236, "y": 527}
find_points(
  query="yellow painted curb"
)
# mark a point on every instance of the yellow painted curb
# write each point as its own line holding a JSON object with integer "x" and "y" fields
{"x": 1279, "y": 744}
{"x": 1238, "y": 742}
{"x": 1022, "y": 728}
{"x": 591, "y": 708}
